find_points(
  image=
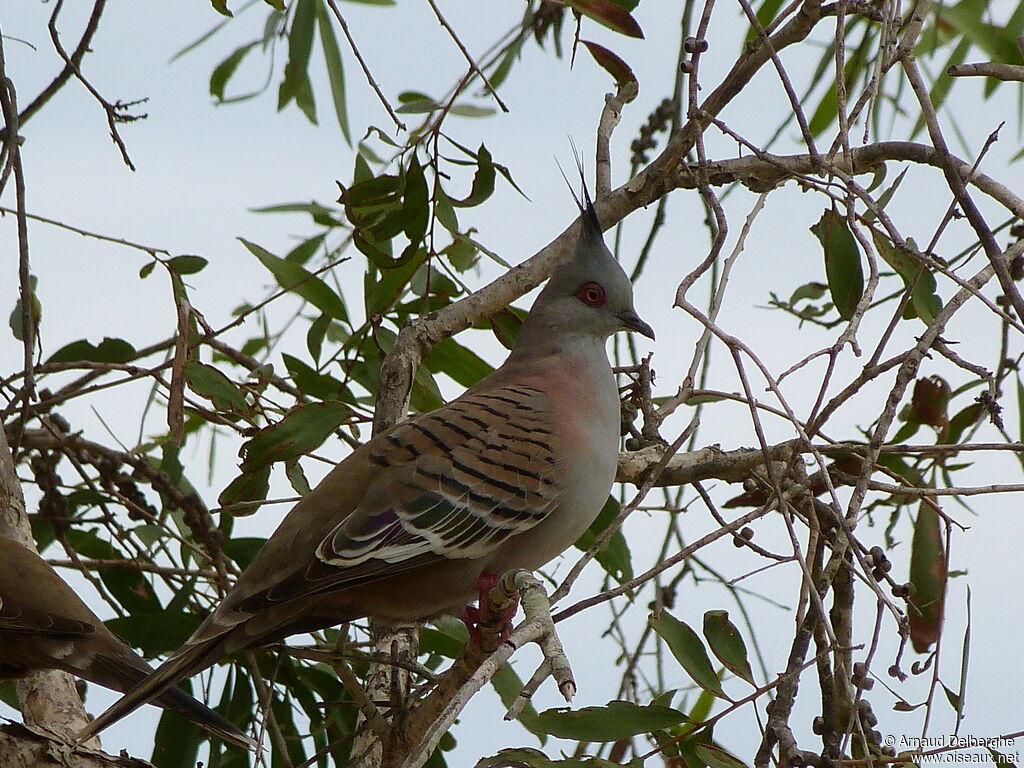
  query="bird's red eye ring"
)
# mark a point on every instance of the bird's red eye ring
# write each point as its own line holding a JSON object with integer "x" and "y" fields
{"x": 591, "y": 294}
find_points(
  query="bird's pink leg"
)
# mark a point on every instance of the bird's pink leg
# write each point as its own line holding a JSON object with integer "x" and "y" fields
{"x": 473, "y": 617}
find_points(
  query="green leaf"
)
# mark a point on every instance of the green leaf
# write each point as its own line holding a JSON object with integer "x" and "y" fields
{"x": 471, "y": 110}
{"x": 383, "y": 293}
{"x": 107, "y": 351}
{"x": 35, "y": 312}
{"x": 461, "y": 363}
{"x": 176, "y": 741}
{"x": 688, "y": 650}
{"x": 208, "y": 382}
{"x": 8, "y": 694}
{"x": 415, "y": 205}
{"x": 608, "y": 14}
{"x": 248, "y": 486}
{"x": 302, "y": 430}
{"x": 997, "y": 42}
{"x": 928, "y": 575}
{"x": 223, "y": 71}
{"x": 335, "y": 70}
{"x": 701, "y": 709}
{"x": 315, "y": 336}
{"x": 155, "y": 633}
{"x": 312, "y": 382}
{"x": 727, "y": 644}
{"x": 444, "y": 212}
{"x": 295, "y": 278}
{"x": 828, "y": 108}
{"x": 461, "y": 253}
{"x": 765, "y": 14}
{"x": 505, "y": 324}
{"x": 611, "y": 63}
{"x": 716, "y": 757}
{"x": 374, "y": 191}
{"x": 187, "y": 264}
{"x": 418, "y": 107}
{"x": 525, "y": 757}
{"x": 304, "y": 251}
{"x": 297, "y": 477}
{"x": 964, "y": 419}
{"x": 304, "y": 98}
{"x": 128, "y": 587}
{"x": 483, "y": 181}
{"x": 615, "y": 558}
{"x": 943, "y": 83}
{"x": 300, "y": 44}
{"x": 842, "y": 262}
{"x": 443, "y": 641}
{"x": 617, "y": 720}
{"x": 320, "y": 214}
{"x": 1020, "y": 412}
{"x": 916, "y": 277}
{"x": 243, "y": 549}
{"x": 810, "y": 291}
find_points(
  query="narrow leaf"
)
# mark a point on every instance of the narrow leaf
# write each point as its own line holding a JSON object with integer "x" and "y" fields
{"x": 727, "y": 644}
{"x": 928, "y": 575}
{"x": 208, "y": 382}
{"x": 293, "y": 277}
{"x": 483, "y": 181}
{"x": 471, "y": 110}
{"x": 688, "y": 650}
{"x": 609, "y": 14}
{"x": 617, "y": 720}
{"x": 248, "y": 486}
{"x": 716, "y": 757}
{"x": 611, "y": 63}
{"x": 300, "y": 44}
{"x": 615, "y": 557}
{"x": 315, "y": 336}
{"x": 335, "y": 70}
{"x": 223, "y": 71}
{"x": 842, "y": 262}
{"x": 107, "y": 351}
{"x": 459, "y": 362}
{"x": 303, "y": 429}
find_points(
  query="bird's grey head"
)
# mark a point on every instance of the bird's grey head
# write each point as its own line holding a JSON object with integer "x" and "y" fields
{"x": 589, "y": 294}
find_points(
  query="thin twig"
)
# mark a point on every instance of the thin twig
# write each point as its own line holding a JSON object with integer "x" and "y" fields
{"x": 362, "y": 63}
{"x": 472, "y": 64}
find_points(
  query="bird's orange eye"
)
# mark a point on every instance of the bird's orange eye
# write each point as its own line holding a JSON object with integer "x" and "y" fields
{"x": 591, "y": 294}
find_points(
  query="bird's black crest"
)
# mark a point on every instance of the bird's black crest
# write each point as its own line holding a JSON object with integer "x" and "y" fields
{"x": 591, "y": 224}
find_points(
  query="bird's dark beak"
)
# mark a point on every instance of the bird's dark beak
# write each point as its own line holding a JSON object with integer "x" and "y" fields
{"x": 632, "y": 322}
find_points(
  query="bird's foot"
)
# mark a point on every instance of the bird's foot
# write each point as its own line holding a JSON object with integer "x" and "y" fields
{"x": 470, "y": 616}
{"x": 490, "y": 624}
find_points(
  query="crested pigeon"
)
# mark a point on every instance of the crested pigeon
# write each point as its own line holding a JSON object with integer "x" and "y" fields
{"x": 407, "y": 527}
{"x": 45, "y": 625}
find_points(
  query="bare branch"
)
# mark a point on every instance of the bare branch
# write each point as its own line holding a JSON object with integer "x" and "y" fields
{"x": 994, "y": 69}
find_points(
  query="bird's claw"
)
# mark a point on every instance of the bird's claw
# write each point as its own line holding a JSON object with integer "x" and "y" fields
{"x": 489, "y": 626}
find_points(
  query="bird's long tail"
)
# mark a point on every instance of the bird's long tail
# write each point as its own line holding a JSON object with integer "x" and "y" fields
{"x": 159, "y": 686}
{"x": 178, "y": 701}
